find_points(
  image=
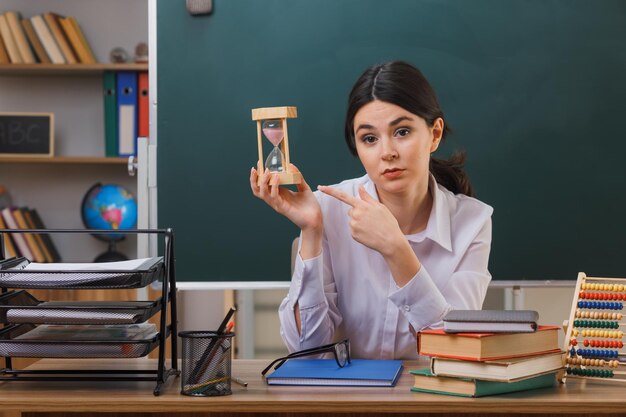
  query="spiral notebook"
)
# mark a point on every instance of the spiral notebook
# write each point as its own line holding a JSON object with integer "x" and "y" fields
{"x": 360, "y": 372}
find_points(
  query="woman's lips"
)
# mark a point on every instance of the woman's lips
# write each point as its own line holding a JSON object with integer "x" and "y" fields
{"x": 392, "y": 173}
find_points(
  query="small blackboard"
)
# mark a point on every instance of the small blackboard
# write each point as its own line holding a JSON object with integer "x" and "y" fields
{"x": 26, "y": 134}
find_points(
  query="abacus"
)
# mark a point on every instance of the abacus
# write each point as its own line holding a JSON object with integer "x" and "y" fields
{"x": 593, "y": 338}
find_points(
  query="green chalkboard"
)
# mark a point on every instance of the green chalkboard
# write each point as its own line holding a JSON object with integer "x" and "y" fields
{"x": 535, "y": 91}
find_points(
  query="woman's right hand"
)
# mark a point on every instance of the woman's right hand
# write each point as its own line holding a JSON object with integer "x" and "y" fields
{"x": 301, "y": 207}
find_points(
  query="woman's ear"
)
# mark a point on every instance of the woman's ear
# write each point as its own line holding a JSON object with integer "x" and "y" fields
{"x": 437, "y": 131}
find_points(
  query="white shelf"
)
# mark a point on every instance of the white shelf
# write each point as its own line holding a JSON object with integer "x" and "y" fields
{"x": 67, "y": 69}
{"x": 81, "y": 160}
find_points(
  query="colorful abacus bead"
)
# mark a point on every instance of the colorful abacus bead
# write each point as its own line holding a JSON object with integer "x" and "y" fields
{"x": 596, "y": 353}
{"x": 600, "y": 305}
{"x": 598, "y": 373}
{"x": 600, "y": 324}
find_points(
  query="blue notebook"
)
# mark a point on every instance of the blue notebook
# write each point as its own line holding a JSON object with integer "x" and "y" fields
{"x": 360, "y": 372}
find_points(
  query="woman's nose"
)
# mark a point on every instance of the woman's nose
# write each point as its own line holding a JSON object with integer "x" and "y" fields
{"x": 389, "y": 151}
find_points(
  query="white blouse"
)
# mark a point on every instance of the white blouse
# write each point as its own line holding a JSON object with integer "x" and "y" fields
{"x": 349, "y": 292}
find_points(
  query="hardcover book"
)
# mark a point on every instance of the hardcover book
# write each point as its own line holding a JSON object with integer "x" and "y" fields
{"x": 502, "y": 370}
{"x": 18, "y": 238}
{"x": 81, "y": 50}
{"x": 52, "y": 19}
{"x": 9, "y": 41}
{"x": 33, "y": 246}
{"x": 13, "y": 20}
{"x": 425, "y": 381}
{"x": 359, "y": 372}
{"x": 47, "y": 239}
{"x": 83, "y": 39}
{"x": 30, "y": 224}
{"x": 487, "y": 346}
{"x": 40, "y": 51}
{"x": 8, "y": 242}
{"x": 47, "y": 39}
{"x": 490, "y": 321}
{"x": 4, "y": 55}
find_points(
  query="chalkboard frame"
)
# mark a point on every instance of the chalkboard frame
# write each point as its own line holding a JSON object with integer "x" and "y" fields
{"x": 31, "y": 152}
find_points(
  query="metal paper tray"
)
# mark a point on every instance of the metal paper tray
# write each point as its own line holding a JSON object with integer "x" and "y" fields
{"x": 71, "y": 348}
{"x": 64, "y": 279}
{"x": 22, "y": 307}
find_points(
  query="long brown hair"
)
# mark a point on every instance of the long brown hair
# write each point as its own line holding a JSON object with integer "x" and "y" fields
{"x": 402, "y": 84}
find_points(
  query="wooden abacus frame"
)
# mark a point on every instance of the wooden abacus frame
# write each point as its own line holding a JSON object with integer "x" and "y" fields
{"x": 596, "y": 358}
{"x": 282, "y": 114}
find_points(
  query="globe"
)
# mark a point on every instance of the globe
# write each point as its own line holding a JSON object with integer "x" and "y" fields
{"x": 109, "y": 207}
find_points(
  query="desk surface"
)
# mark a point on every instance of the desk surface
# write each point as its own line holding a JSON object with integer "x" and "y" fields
{"x": 576, "y": 396}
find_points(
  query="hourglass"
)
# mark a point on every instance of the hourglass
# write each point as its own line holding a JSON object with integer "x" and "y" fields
{"x": 272, "y": 123}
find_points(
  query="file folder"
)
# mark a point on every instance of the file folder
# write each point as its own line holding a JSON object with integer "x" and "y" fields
{"x": 127, "y": 113}
{"x": 110, "y": 114}
{"x": 144, "y": 105}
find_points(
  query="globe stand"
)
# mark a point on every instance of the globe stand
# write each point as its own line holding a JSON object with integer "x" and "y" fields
{"x": 111, "y": 255}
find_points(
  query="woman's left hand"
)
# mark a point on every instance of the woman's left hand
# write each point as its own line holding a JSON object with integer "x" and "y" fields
{"x": 371, "y": 223}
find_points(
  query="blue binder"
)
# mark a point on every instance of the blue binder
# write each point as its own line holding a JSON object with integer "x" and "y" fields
{"x": 127, "y": 113}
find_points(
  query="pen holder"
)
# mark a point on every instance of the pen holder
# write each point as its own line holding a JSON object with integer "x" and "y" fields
{"x": 206, "y": 369}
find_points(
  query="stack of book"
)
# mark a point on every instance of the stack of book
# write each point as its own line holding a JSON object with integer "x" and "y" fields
{"x": 488, "y": 352}
{"x": 48, "y": 38}
{"x": 36, "y": 247}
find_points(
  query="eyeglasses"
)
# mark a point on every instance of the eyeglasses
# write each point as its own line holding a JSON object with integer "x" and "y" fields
{"x": 341, "y": 350}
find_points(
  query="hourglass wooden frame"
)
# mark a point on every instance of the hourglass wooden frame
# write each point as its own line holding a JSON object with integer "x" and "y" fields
{"x": 282, "y": 114}
{"x": 593, "y": 336}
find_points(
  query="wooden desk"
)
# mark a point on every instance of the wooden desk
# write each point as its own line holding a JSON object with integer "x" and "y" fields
{"x": 61, "y": 398}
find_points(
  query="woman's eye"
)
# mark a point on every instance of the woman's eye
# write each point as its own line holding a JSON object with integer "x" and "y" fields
{"x": 369, "y": 139}
{"x": 402, "y": 132}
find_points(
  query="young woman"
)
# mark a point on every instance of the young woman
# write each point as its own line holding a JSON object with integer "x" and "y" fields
{"x": 390, "y": 253}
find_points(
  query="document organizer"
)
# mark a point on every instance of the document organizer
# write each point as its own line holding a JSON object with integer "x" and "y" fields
{"x": 21, "y": 313}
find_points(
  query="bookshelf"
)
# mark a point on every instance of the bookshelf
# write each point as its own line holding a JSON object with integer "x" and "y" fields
{"x": 84, "y": 160}
{"x": 56, "y": 185}
{"x": 67, "y": 69}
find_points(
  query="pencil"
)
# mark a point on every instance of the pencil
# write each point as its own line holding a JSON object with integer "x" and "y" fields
{"x": 229, "y": 328}
{"x": 211, "y": 349}
{"x": 240, "y": 381}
